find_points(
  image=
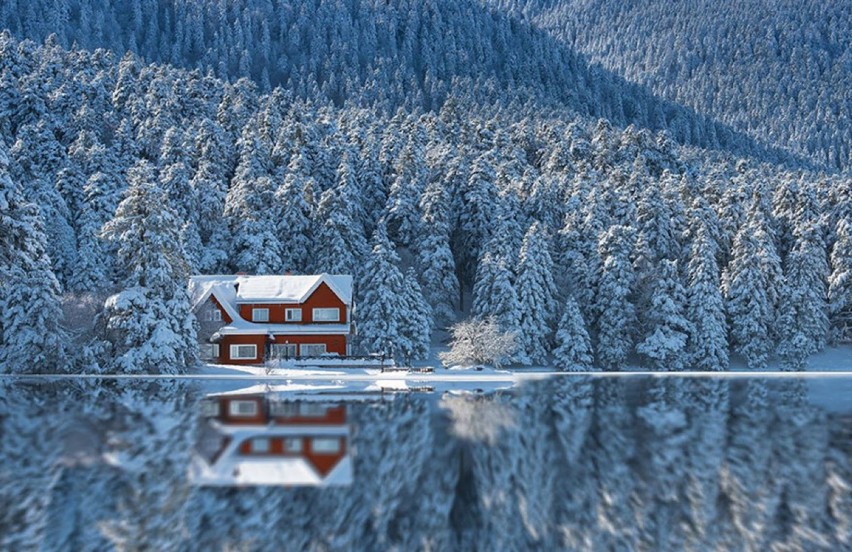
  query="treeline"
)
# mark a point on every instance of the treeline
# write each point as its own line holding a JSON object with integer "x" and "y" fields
{"x": 561, "y": 465}
{"x": 374, "y": 53}
{"x": 778, "y": 71}
{"x": 601, "y": 246}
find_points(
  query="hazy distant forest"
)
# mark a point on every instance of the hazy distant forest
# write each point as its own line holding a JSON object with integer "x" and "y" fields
{"x": 504, "y": 159}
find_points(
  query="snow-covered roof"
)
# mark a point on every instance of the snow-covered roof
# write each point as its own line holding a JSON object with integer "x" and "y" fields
{"x": 289, "y": 288}
{"x": 284, "y": 471}
{"x": 232, "y": 468}
{"x": 243, "y": 327}
{"x": 232, "y": 289}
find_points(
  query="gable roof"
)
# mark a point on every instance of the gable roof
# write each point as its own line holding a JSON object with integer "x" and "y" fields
{"x": 235, "y": 289}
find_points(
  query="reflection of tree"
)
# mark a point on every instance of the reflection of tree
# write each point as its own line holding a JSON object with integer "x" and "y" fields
{"x": 152, "y": 449}
{"x": 583, "y": 464}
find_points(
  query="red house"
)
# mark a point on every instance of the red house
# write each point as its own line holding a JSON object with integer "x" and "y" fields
{"x": 251, "y": 319}
{"x": 252, "y": 437}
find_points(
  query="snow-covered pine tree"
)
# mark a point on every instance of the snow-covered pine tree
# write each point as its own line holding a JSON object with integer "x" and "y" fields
{"x": 150, "y": 323}
{"x": 840, "y": 284}
{"x": 294, "y": 223}
{"x": 410, "y": 178}
{"x": 438, "y": 278}
{"x": 615, "y": 311}
{"x": 94, "y": 258}
{"x": 31, "y": 336}
{"x": 573, "y": 351}
{"x": 494, "y": 293}
{"x": 381, "y": 309}
{"x": 338, "y": 248}
{"x": 751, "y": 286}
{"x": 255, "y": 246}
{"x": 705, "y": 309}
{"x": 536, "y": 296}
{"x": 665, "y": 344}
{"x": 416, "y": 327}
{"x": 803, "y": 320}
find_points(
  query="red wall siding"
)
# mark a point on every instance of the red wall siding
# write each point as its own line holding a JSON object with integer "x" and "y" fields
{"x": 228, "y": 340}
{"x": 333, "y": 344}
{"x": 322, "y": 297}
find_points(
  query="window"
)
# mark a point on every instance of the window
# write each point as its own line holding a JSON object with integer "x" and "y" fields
{"x": 325, "y": 445}
{"x": 209, "y": 409}
{"x": 260, "y": 444}
{"x": 311, "y": 410}
{"x": 283, "y": 409}
{"x": 260, "y": 315}
{"x": 326, "y": 315}
{"x": 293, "y": 315}
{"x": 214, "y": 315}
{"x": 208, "y": 351}
{"x": 312, "y": 349}
{"x": 243, "y": 352}
{"x": 244, "y": 409}
{"x": 293, "y": 444}
{"x": 283, "y": 350}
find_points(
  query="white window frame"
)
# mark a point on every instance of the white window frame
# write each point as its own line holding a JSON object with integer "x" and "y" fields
{"x": 235, "y": 352}
{"x": 214, "y": 315}
{"x": 208, "y": 351}
{"x": 326, "y": 445}
{"x": 283, "y": 409}
{"x": 234, "y": 409}
{"x": 210, "y": 409}
{"x": 293, "y": 445}
{"x": 292, "y": 315}
{"x": 262, "y": 318}
{"x": 309, "y": 409}
{"x": 304, "y": 354}
{"x": 260, "y": 445}
{"x": 324, "y": 314}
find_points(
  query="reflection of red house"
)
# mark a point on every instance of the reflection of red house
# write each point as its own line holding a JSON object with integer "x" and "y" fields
{"x": 250, "y": 319}
{"x": 249, "y": 439}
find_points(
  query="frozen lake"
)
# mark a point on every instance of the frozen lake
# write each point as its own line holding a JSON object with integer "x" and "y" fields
{"x": 375, "y": 463}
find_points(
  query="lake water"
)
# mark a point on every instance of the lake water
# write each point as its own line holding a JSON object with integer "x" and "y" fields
{"x": 566, "y": 463}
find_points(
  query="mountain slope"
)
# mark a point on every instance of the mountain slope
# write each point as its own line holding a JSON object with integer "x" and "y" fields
{"x": 779, "y": 70}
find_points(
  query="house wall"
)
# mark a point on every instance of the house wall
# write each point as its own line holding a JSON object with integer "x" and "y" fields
{"x": 333, "y": 344}
{"x": 322, "y": 297}
{"x": 323, "y": 463}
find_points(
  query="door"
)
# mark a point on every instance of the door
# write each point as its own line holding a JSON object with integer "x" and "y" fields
{"x": 282, "y": 350}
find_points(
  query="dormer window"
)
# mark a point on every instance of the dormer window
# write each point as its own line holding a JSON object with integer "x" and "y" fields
{"x": 260, "y": 315}
{"x": 326, "y": 315}
{"x": 214, "y": 315}
{"x": 293, "y": 315}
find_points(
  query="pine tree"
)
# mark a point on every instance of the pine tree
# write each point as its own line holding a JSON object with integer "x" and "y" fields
{"x": 573, "y": 351}
{"x": 615, "y": 312}
{"x": 416, "y": 327}
{"x": 803, "y": 319}
{"x": 666, "y": 343}
{"x": 31, "y": 337}
{"x": 434, "y": 255}
{"x": 338, "y": 246}
{"x": 536, "y": 295}
{"x": 840, "y": 284}
{"x": 293, "y": 223}
{"x": 150, "y": 323}
{"x": 751, "y": 290}
{"x": 705, "y": 311}
{"x": 494, "y": 293}
{"x": 381, "y": 310}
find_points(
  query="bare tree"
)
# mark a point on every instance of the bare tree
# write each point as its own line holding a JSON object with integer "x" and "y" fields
{"x": 479, "y": 341}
